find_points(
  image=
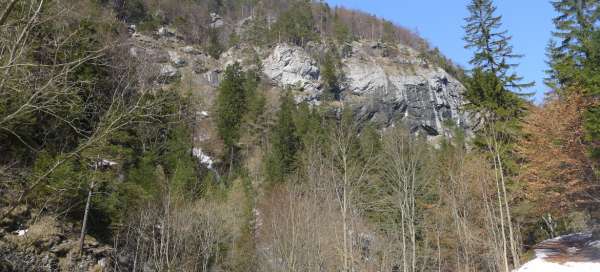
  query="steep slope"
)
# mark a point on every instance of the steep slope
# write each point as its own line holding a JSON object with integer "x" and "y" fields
{"x": 381, "y": 88}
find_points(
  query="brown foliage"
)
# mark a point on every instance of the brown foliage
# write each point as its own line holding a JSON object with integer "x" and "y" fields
{"x": 557, "y": 172}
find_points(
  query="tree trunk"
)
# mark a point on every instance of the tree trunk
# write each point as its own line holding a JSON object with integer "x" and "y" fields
{"x": 85, "y": 217}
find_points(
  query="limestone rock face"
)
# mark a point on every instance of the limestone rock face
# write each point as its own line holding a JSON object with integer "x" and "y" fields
{"x": 381, "y": 88}
{"x": 387, "y": 85}
{"x": 291, "y": 67}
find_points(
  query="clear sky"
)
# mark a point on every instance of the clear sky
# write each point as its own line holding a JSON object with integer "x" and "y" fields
{"x": 441, "y": 21}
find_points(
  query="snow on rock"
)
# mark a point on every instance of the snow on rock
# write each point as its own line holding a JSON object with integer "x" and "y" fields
{"x": 202, "y": 114}
{"x": 106, "y": 163}
{"x": 21, "y": 232}
{"x": 204, "y": 159}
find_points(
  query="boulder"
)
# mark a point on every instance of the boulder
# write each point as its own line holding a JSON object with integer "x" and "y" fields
{"x": 190, "y": 50}
{"x": 176, "y": 60}
{"x": 213, "y": 77}
{"x": 168, "y": 73}
{"x": 166, "y": 32}
{"x": 63, "y": 248}
{"x": 216, "y": 20}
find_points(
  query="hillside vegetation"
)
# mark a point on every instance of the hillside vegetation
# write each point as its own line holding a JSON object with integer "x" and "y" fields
{"x": 117, "y": 157}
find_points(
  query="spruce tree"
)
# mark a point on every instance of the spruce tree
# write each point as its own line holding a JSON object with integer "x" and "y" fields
{"x": 285, "y": 141}
{"x": 575, "y": 24}
{"x": 214, "y": 47}
{"x": 575, "y": 60}
{"x": 489, "y": 93}
{"x": 296, "y": 25}
{"x": 330, "y": 77}
{"x": 491, "y": 44}
{"x": 231, "y": 105}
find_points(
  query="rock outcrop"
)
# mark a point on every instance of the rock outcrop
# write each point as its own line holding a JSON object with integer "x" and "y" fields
{"x": 384, "y": 85}
{"x": 292, "y": 67}
{"x": 385, "y": 90}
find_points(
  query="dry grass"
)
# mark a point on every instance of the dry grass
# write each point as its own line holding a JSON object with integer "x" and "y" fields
{"x": 42, "y": 233}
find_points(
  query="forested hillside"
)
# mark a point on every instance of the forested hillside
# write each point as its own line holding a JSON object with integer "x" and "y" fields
{"x": 288, "y": 135}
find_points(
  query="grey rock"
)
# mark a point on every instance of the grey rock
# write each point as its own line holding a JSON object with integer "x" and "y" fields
{"x": 213, "y": 77}
{"x": 190, "y": 50}
{"x": 166, "y": 32}
{"x": 216, "y": 20}
{"x": 176, "y": 60}
{"x": 168, "y": 73}
{"x": 385, "y": 90}
{"x": 291, "y": 67}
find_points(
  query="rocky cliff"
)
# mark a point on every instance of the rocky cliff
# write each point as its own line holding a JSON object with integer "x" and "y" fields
{"x": 382, "y": 86}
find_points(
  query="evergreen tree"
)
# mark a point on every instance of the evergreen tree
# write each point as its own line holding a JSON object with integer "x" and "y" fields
{"x": 575, "y": 60}
{"x": 488, "y": 92}
{"x": 214, "y": 46}
{"x": 488, "y": 88}
{"x": 296, "y": 25}
{"x": 491, "y": 45}
{"x": 285, "y": 141}
{"x": 330, "y": 77}
{"x": 576, "y": 22}
{"x": 231, "y": 104}
{"x": 257, "y": 32}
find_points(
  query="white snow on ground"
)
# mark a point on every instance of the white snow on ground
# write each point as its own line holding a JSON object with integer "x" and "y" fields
{"x": 203, "y": 114}
{"x": 204, "y": 159}
{"x": 541, "y": 265}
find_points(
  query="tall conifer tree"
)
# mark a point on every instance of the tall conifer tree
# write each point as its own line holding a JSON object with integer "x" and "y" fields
{"x": 231, "y": 104}
{"x": 491, "y": 44}
{"x": 489, "y": 93}
{"x": 285, "y": 141}
{"x": 575, "y": 24}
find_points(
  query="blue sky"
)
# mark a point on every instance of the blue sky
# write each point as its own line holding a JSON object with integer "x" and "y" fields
{"x": 441, "y": 21}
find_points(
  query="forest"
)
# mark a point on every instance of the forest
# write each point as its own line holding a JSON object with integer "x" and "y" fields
{"x": 96, "y": 151}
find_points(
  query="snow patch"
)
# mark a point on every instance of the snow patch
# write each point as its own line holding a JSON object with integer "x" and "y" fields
{"x": 204, "y": 159}
{"x": 202, "y": 113}
{"x": 541, "y": 265}
{"x": 107, "y": 163}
